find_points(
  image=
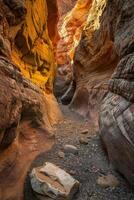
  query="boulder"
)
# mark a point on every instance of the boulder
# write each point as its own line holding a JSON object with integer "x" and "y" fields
{"x": 51, "y": 181}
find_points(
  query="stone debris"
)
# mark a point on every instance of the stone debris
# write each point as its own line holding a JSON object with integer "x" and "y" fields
{"x": 72, "y": 172}
{"x": 83, "y": 141}
{"x": 51, "y": 181}
{"x": 108, "y": 181}
{"x": 70, "y": 149}
{"x": 84, "y": 132}
{"x": 61, "y": 154}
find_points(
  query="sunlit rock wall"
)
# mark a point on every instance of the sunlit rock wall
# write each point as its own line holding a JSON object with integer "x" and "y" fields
{"x": 31, "y": 47}
{"x": 70, "y": 27}
{"x": 65, "y": 6}
{"x": 27, "y": 110}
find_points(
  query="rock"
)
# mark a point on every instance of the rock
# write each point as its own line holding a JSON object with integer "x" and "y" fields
{"x": 61, "y": 154}
{"x": 72, "y": 172}
{"x": 84, "y": 132}
{"x": 108, "y": 181}
{"x": 70, "y": 149}
{"x": 83, "y": 141}
{"x": 49, "y": 180}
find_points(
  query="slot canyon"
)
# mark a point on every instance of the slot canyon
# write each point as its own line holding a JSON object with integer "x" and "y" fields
{"x": 67, "y": 98}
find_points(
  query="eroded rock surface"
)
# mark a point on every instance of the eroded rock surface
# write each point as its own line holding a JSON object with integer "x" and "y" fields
{"x": 117, "y": 109}
{"x": 105, "y": 50}
{"x": 94, "y": 62}
{"x": 27, "y": 105}
{"x": 25, "y": 128}
{"x": 70, "y": 27}
{"x": 31, "y": 47}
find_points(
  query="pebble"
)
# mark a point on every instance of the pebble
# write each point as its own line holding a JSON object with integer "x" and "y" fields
{"x": 70, "y": 149}
{"x": 61, "y": 154}
{"x": 108, "y": 181}
{"x": 72, "y": 172}
{"x": 83, "y": 141}
{"x": 84, "y": 132}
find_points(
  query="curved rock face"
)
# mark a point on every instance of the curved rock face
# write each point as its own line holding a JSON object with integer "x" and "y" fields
{"x": 70, "y": 27}
{"x": 117, "y": 110}
{"x": 26, "y": 111}
{"x": 94, "y": 62}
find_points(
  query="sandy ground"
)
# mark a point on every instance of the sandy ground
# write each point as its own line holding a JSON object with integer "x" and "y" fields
{"x": 90, "y": 163}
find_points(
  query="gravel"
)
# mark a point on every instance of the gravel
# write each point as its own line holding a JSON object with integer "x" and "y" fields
{"x": 89, "y": 164}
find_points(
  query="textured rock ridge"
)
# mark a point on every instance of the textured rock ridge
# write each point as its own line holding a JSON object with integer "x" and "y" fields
{"x": 103, "y": 72}
{"x": 117, "y": 110}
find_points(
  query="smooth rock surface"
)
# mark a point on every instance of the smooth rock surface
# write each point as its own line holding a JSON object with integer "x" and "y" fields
{"x": 70, "y": 149}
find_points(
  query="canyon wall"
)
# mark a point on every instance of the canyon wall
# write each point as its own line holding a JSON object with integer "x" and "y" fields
{"x": 104, "y": 74}
{"x": 70, "y": 27}
{"x": 94, "y": 62}
{"x": 117, "y": 109}
{"x": 27, "y": 105}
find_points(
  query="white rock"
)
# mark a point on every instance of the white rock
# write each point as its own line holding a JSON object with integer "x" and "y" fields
{"x": 49, "y": 180}
{"x": 70, "y": 149}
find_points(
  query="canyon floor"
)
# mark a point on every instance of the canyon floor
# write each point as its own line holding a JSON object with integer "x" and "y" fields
{"x": 87, "y": 166}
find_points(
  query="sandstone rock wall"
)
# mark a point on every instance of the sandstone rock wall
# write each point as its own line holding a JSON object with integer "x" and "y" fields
{"x": 94, "y": 62}
{"x": 31, "y": 47}
{"x": 117, "y": 110}
{"x": 70, "y": 27}
{"x": 103, "y": 72}
{"x": 65, "y": 6}
{"x": 27, "y": 105}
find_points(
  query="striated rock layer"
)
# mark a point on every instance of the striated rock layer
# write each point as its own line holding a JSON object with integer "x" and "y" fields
{"x": 117, "y": 110}
{"x": 27, "y": 110}
{"x": 105, "y": 50}
{"x": 104, "y": 78}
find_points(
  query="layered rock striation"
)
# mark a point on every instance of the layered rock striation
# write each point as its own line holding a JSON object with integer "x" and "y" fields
{"x": 27, "y": 105}
{"x": 103, "y": 72}
{"x": 117, "y": 110}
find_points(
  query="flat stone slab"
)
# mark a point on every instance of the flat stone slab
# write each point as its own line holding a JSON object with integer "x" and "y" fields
{"x": 49, "y": 180}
